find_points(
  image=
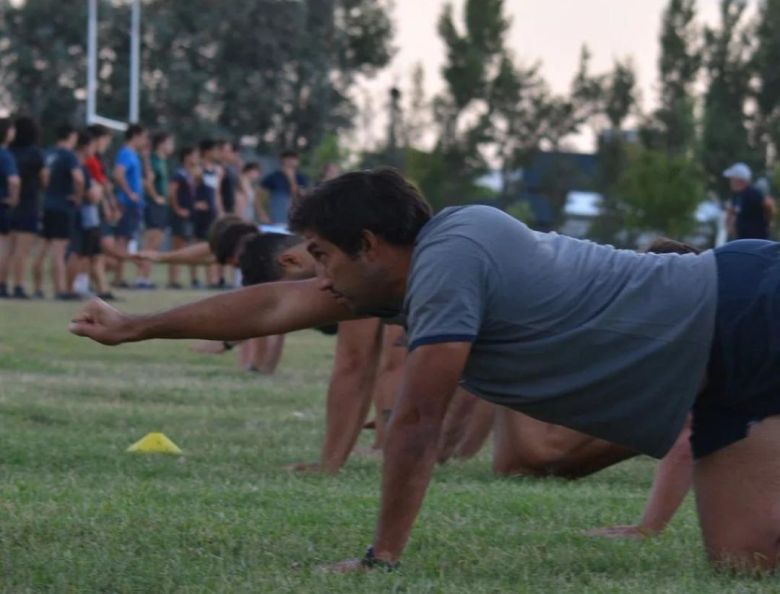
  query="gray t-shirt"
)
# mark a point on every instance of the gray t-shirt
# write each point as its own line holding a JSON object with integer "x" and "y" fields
{"x": 608, "y": 342}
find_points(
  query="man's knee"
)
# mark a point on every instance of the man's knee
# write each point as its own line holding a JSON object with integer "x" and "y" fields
{"x": 744, "y": 557}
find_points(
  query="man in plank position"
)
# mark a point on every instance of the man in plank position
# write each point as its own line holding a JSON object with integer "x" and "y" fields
{"x": 618, "y": 345}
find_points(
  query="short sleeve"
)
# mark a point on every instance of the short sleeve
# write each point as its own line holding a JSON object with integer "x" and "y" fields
{"x": 73, "y": 161}
{"x": 124, "y": 159}
{"x": 447, "y": 294}
{"x": 8, "y": 164}
{"x": 269, "y": 182}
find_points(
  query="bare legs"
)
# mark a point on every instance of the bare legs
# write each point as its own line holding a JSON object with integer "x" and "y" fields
{"x": 738, "y": 500}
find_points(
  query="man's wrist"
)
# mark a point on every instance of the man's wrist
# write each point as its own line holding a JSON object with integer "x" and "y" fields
{"x": 379, "y": 560}
{"x": 136, "y": 328}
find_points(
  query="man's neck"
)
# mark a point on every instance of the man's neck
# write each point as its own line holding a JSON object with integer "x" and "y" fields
{"x": 398, "y": 275}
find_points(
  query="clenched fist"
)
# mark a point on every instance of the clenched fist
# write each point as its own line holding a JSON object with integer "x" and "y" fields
{"x": 102, "y": 323}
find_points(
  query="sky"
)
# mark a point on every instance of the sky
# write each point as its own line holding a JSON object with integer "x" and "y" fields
{"x": 550, "y": 31}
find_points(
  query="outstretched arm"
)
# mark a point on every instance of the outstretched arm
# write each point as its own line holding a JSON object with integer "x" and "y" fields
{"x": 262, "y": 310}
{"x": 194, "y": 255}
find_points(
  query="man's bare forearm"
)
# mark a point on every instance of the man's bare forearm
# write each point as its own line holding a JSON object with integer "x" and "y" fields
{"x": 349, "y": 400}
{"x": 263, "y": 310}
{"x": 358, "y": 349}
{"x": 410, "y": 456}
{"x": 431, "y": 374}
{"x": 195, "y": 254}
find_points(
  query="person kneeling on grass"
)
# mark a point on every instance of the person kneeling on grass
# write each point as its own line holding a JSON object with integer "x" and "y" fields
{"x": 615, "y": 344}
{"x": 523, "y": 445}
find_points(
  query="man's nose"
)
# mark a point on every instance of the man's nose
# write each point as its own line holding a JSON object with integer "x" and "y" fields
{"x": 325, "y": 283}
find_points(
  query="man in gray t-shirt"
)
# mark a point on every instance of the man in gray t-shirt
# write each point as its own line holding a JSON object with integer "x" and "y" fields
{"x": 565, "y": 330}
{"x": 612, "y": 343}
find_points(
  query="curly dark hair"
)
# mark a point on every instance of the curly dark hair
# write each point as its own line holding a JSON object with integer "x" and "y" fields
{"x": 259, "y": 260}
{"x": 225, "y": 235}
{"x": 380, "y": 201}
{"x": 664, "y": 245}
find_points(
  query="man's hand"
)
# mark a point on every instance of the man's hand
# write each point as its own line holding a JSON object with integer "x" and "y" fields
{"x": 148, "y": 255}
{"x": 305, "y": 467}
{"x": 634, "y": 532}
{"x": 134, "y": 197}
{"x": 102, "y": 323}
{"x": 209, "y": 347}
{"x": 182, "y": 213}
{"x": 348, "y": 566}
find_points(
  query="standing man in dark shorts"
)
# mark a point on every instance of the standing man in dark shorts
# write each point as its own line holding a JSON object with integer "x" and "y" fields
{"x": 181, "y": 198}
{"x": 564, "y": 330}
{"x": 128, "y": 177}
{"x": 25, "y": 218}
{"x": 156, "y": 201}
{"x": 85, "y": 245}
{"x": 750, "y": 214}
{"x": 230, "y": 159}
{"x": 207, "y": 206}
{"x": 61, "y": 201}
{"x": 9, "y": 199}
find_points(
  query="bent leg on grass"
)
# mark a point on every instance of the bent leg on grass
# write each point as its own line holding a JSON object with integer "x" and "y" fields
{"x": 738, "y": 500}
{"x": 526, "y": 446}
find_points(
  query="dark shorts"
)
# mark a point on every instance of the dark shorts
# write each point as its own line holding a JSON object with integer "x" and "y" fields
{"x": 201, "y": 223}
{"x": 5, "y": 219}
{"x": 24, "y": 221}
{"x": 155, "y": 215}
{"x": 129, "y": 223}
{"x": 743, "y": 378}
{"x": 57, "y": 224}
{"x": 181, "y": 227}
{"x": 107, "y": 229}
{"x": 86, "y": 242}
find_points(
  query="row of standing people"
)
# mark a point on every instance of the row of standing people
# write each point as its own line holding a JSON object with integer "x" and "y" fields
{"x": 67, "y": 204}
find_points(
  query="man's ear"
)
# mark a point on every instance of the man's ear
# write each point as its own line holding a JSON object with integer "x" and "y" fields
{"x": 290, "y": 262}
{"x": 369, "y": 244}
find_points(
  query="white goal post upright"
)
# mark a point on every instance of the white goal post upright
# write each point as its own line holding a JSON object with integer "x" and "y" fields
{"x": 92, "y": 67}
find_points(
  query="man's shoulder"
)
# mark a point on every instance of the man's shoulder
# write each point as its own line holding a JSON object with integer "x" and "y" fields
{"x": 476, "y": 222}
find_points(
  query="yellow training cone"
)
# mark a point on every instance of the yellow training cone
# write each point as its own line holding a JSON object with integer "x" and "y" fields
{"x": 154, "y": 443}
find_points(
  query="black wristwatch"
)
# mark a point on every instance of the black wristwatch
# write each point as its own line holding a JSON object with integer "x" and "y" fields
{"x": 369, "y": 561}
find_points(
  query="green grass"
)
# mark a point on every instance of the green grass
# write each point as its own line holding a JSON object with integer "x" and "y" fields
{"x": 78, "y": 514}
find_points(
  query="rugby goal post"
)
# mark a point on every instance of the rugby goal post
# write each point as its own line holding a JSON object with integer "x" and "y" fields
{"x": 93, "y": 117}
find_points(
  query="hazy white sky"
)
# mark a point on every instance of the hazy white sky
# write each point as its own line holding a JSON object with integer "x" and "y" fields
{"x": 551, "y": 31}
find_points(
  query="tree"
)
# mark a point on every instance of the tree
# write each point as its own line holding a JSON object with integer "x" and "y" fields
{"x": 494, "y": 109}
{"x": 660, "y": 192}
{"x": 678, "y": 67}
{"x": 725, "y": 133}
{"x": 765, "y": 61}
{"x": 279, "y": 70}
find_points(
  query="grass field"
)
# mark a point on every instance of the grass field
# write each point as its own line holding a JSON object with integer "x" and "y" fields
{"x": 78, "y": 514}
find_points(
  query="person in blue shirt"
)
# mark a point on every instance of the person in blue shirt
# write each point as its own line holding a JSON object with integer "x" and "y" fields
{"x": 9, "y": 198}
{"x": 128, "y": 177}
{"x": 63, "y": 195}
{"x": 284, "y": 187}
{"x": 30, "y": 161}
